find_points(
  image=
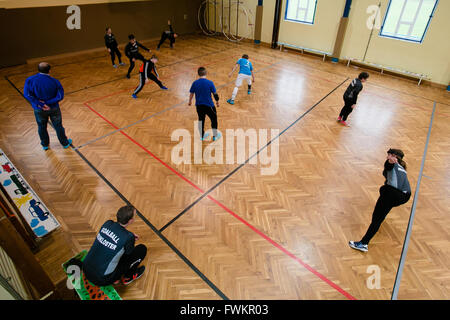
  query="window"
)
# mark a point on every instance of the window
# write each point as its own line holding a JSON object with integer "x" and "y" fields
{"x": 408, "y": 19}
{"x": 301, "y": 11}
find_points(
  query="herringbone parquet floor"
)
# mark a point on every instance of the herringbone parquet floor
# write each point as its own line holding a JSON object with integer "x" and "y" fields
{"x": 250, "y": 235}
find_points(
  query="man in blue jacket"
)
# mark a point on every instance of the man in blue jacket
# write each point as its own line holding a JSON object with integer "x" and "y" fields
{"x": 44, "y": 93}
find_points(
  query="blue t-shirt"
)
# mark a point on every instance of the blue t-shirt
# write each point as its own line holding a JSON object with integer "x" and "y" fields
{"x": 203, "y": 88}
{"x": 245, "y": 66}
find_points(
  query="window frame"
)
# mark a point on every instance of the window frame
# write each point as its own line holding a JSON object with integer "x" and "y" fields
{"x": 300, "y": 21}
{"x": 402, "y": 38}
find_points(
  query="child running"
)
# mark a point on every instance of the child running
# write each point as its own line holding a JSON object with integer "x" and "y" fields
{"x": 132, "y": 52}
{"x": 146, "y": 75}
{"x": 245, "y": 73}
{"x": 395, "y": 192}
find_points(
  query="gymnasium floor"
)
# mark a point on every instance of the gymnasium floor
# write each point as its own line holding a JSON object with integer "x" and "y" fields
{"x": 227, "y": 231}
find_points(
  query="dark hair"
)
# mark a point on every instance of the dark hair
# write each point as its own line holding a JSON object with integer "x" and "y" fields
{"x": 44, "y": 67}
{"x": 399, "y": 155}
{"x": 245, "y": 56}
{"x": 131, "y": 36}
{"x": 363, "y": 75}
{"x": 154, "y": 57}
{"x": 107, "y": 28}
{"x": 201, "y": 71}
{"x": 125, "y": 214}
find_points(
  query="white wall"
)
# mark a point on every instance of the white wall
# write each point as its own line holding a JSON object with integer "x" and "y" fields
{"x": 431, "y": 57}
{"x": 322, "y": 34}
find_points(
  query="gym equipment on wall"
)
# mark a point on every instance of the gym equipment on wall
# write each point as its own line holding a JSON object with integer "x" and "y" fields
{"x": 225, "y": 16}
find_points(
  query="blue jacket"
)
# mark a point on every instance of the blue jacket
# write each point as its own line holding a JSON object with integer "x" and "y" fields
{"x": 42, "y": 87}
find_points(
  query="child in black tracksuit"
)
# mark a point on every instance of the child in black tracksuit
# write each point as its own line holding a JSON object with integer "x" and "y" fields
{"x": 395, "y": 192}
{"x": 168, "y": 34}
{"x": 132, "y": 52}
{"x": 351, "y": 95}
{"x": 146, "y": 75}
{"x": 111, "y": 46}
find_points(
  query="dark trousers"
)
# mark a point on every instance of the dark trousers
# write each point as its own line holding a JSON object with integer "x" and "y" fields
{"x": 202, "y": 112}
{"x": 389, "y": 197}
{"x": 115, "y": 51}
{"x": 141, "y": 85}
{"x": 55, "y": 116}
{"x": 137, "y": 56}
{"x": 164, "y": 36}
{"x": 346, "y": 109}
{"x": 127, "y": 266}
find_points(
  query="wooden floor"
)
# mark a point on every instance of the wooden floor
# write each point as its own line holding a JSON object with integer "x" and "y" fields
{"x": 229, "y": 231}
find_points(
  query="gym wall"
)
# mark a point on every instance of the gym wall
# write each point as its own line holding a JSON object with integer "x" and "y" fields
{"x": 230, "y": 16}
{"x": 14, "y": 4}
{"x": 267, "y": 19}
{"x": 35, "y": 32}
{"x": 322, "y": 34}
{"x": 267, "y": 23}
{"x": 430, "y": 57}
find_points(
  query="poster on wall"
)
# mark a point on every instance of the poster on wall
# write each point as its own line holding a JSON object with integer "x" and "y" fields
{"x": 35, "y": 213}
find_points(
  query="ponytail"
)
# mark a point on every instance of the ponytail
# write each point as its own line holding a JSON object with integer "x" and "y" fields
{"x": 402, "y": 163}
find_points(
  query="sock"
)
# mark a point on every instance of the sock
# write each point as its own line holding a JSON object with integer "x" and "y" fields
{"x": 235, "y": 91}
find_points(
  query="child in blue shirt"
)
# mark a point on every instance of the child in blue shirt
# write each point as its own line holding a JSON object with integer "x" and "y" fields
{"x": 202, "y": 89}
{"x": 245, "y": 73}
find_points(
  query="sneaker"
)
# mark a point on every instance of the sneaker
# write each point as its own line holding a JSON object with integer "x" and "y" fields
{"x": 230, "y": 101}
{"x": 164, "y": 88}
{"x": 157, "y": 49}
{"x": 249, "y": 92}
{"x": 358, "y": 246}
{"x": 344, "y": 123}
{"x": 128, "y": 76}
{"x": 121, "y": 63}
{"x": 219, "y": 135}
{"x": 46, "y": 148}
{"x": 339, "y": 119}
{"x": 68, "y": 145}
{"x": 139, "y": 272}
{"x": 134, "y": 96}
{"x": 205, "y": 137}
{"x": 115, "y": 65}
